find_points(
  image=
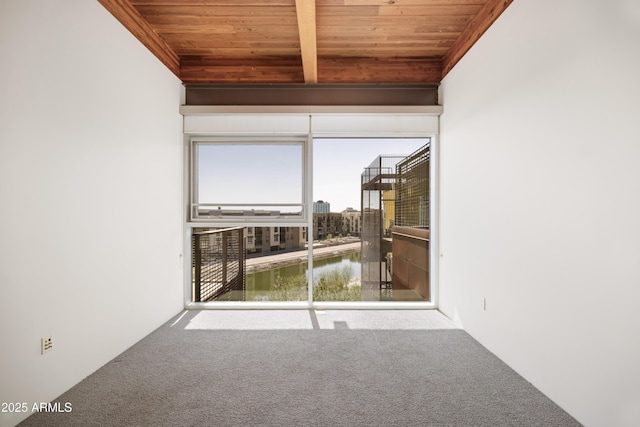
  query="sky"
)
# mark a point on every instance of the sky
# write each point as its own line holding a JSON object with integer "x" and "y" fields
{"x": 254, "y": 173}
{"x": 338, "y": 164}
{"x": 250, "y": 173}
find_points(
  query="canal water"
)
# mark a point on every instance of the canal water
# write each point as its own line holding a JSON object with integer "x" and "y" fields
{"x": 260, "y": 283}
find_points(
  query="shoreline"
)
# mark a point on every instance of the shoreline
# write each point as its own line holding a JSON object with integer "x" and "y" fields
{"x": 297, "y": 257}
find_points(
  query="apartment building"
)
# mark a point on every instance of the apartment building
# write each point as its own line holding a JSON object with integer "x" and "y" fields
{"x": 270, "y": 239}
{"x": 321, "y": 207}
{"x": 352, "y": 224}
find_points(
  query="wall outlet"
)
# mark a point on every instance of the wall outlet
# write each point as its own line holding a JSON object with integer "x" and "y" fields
{"x": 483, "y": 304}
{"x": 46, "y": 344}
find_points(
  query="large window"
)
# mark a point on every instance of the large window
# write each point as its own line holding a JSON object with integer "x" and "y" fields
{"x": 248, "y": 178}
{"x": 318, "y": 220}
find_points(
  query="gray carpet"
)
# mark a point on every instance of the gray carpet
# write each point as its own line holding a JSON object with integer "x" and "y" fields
{"x": 306, "y": 368}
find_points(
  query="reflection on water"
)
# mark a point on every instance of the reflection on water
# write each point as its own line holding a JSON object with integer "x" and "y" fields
{"x": 261, "y": 285}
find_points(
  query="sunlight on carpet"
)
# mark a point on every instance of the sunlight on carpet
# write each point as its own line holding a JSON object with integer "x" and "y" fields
{"x": 313, "y": 319}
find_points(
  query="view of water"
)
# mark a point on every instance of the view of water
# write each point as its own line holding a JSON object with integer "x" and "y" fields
{"x": 260, "y": 282}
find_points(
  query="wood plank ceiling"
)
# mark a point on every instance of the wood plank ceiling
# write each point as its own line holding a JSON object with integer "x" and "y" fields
{"x": 308, "y": 41}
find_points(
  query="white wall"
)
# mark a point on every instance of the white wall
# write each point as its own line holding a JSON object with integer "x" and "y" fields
{"x": 90, "y": 190}
{"x": 540, "y": 200}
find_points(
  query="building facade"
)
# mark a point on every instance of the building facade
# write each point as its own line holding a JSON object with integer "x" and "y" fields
{"x": 270, "y": 239}
{"x": 352, "y": 225}
{"x": 321, "y": 207}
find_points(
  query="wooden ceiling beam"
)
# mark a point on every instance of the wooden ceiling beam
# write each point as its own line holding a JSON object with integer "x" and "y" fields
{"x": 129, "y": 16}
{"x": 470, "y": 35}
{"x": 306, "y": 12}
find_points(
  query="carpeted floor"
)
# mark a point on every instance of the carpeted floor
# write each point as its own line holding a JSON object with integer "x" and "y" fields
{"x": 306, "y": 368}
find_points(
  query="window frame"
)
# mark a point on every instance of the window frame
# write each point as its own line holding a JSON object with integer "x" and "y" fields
{"x": 194, "y": 206}
{"x": 308, "y": 122}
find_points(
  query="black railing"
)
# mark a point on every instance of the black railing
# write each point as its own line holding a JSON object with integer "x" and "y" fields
{"x": 219, "y": 264}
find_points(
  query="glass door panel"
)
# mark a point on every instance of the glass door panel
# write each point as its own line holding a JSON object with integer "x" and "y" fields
{"x": 250, "y": 264}
{"x": 370, "y": 220}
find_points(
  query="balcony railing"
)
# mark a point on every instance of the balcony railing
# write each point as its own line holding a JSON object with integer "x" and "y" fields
{"x": 411, "y": 260}
{"x": 395, "y": 192}
{"x": 219, "y": 264}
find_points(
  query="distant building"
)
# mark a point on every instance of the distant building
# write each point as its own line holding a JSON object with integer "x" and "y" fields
{"x": 321, "y": 207}
{"x": 328, "y": 223}
{"x": 265, "y": 240}
{"x": 352, "y": 223}
{"x": 271, "y": 239}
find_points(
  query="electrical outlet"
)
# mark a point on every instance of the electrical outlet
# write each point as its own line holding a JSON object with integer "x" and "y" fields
{"x": 483, "y": 304}
{"x": 46, "y": 344}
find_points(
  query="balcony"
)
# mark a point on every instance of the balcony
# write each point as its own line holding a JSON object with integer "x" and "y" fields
{"x": 395, "y": 227}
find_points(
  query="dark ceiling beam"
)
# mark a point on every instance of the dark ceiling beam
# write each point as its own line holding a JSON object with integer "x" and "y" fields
{"x": 306, "y": 12}
{"x": 476, "y": 28}
{"x": 129, "y": 16}
{"x": 315, "y": 95}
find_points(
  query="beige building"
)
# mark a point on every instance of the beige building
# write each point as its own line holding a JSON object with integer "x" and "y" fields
{"x": 352, "y": 224}
{"x": 268, "y": 239}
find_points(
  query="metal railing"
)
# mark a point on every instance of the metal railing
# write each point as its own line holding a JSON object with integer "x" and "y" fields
{"x": 377, "y": 207}
{"x": 412, "y": 190}
{"x": 394, "y": 191}
{"x": 219, "y": 265}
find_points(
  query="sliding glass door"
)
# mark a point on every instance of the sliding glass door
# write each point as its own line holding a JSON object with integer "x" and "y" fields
{"x": 294, "y": 220}
{"x": 371, "y": 210}
{"x": 248, "y": 202}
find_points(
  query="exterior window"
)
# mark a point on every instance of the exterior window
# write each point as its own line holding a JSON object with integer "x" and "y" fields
{"x": 251, "y": 199}
{"x": 230, "y": 180}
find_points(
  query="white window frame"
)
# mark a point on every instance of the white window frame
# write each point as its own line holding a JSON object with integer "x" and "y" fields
{"x": 194, "y": 215}
{"x": 214, "y": 122}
